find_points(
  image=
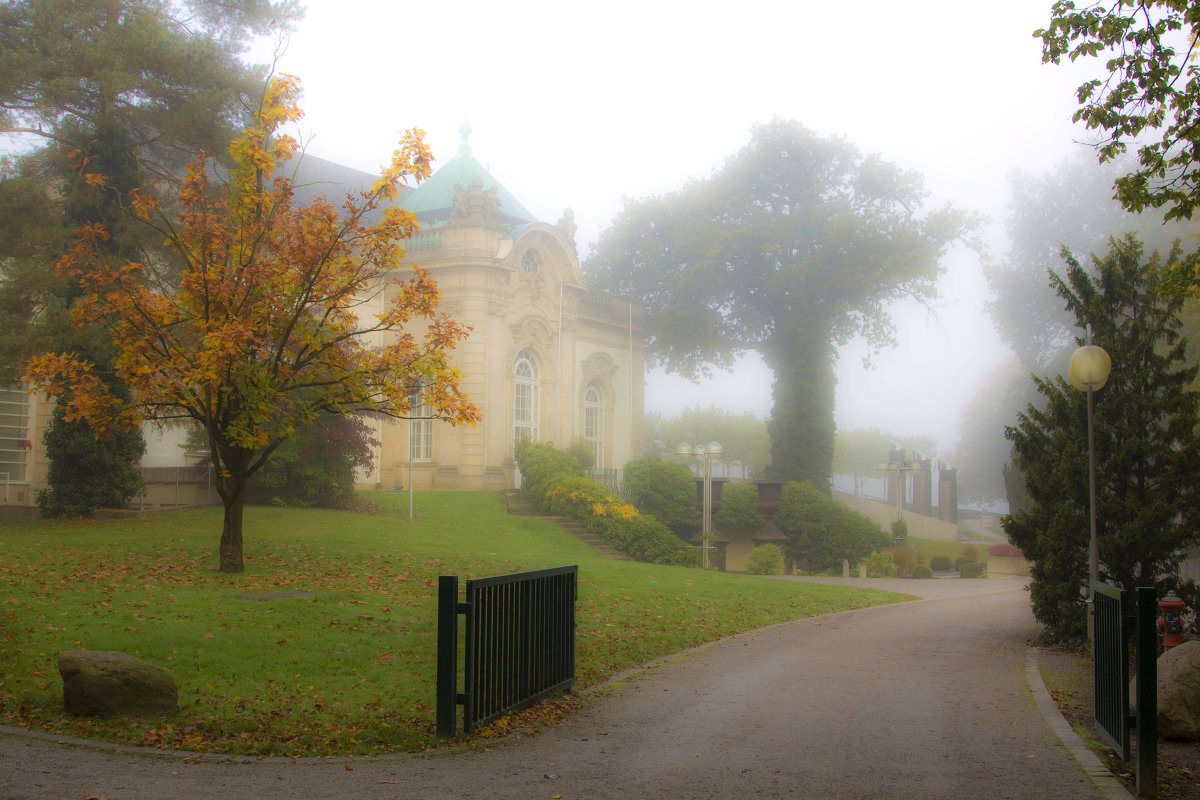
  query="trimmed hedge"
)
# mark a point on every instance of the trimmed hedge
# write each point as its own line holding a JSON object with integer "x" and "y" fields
{"x": 970, "y": 569}
{"x": 555, "y": 487}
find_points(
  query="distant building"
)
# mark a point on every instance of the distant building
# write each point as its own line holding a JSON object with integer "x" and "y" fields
{"x": 549, "y": 358}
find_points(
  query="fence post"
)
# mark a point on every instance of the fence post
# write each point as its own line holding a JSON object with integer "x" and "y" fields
{"x": 447, "y": 655}
{"x": 1147, "y": 692}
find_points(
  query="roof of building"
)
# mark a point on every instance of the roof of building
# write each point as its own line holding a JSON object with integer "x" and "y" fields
{"x": 433, "y": 200}
{"x": 317, "y": 177}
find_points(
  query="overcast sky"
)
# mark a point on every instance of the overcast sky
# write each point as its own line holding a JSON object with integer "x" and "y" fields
{"x": 577, "y": 105}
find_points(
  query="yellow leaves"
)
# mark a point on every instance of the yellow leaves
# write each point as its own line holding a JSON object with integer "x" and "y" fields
{"x": 262, "y": 328}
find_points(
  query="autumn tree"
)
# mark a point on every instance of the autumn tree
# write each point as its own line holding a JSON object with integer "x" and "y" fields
{"x": 282, "y": 312}
{"x": 796, "y": 245}
{"x": 1147, "y": 450}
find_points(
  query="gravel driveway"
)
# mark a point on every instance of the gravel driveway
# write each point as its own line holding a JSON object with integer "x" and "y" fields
{"x": 927, "y": 699}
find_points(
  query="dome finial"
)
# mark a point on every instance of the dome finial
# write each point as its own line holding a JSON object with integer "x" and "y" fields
{"x": 465, "y": 130}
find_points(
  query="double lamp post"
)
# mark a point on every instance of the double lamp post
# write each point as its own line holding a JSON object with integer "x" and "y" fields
{"x": 705, "y": 454}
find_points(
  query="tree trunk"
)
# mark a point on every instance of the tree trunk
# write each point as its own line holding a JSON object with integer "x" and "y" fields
{"x": 801, "y": 425}
{"x": 232, "y": 488}
{"x": 231, "y": 533}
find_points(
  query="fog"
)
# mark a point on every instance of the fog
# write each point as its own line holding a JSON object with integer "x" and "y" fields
{"x": 579, "y": 106}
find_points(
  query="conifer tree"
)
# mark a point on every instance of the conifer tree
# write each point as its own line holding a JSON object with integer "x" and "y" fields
{"x": 1146, "y": 449}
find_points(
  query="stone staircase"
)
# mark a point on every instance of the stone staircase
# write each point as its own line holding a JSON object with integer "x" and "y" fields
{"x": 518, "y": 503}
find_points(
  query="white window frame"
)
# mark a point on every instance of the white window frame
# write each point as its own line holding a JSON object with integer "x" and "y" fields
{"x": 593, "y": 421}
{"x": 525, "y": 397}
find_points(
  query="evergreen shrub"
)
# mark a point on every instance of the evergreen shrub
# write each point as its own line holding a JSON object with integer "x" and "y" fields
{"x": 922, "y": 571}
{"x": 940, "y": 563}
{"x": 666, "y": 490}
{"x": 826, "y": 530}
{"x": 766, "y": 559}
{"x": 970, "y": 569}
{"x": 739, "y": 507}
{"x": 880, "y": 565}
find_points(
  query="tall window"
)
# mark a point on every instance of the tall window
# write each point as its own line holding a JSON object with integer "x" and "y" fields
{"x": 14, "y": 432}
{"x": 593, "y": 422}
{"x": 420, "y": 431}
{"x": 525, "y": 398}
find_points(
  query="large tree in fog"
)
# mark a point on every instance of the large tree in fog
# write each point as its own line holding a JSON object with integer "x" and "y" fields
{"x": 796, "y": 245}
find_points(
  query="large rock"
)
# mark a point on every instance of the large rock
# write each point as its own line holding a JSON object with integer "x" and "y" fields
{"x": 1179, "y": 692}
{"x": 108, "y": 684}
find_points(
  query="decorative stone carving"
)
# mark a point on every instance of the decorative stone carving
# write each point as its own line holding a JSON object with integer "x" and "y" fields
{"x": 533, "y": 329}
{"x": 476, "y": 203}
{"x": 598, "y": 366}
{"x": 567, "y": 227}
{"x": 100, "y": 683}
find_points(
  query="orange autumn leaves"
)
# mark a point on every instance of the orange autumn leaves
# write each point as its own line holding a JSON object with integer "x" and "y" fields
{"x": 278, "y": 312}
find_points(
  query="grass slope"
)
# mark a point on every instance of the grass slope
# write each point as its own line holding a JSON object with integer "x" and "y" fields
{"x": 341, "y": 659}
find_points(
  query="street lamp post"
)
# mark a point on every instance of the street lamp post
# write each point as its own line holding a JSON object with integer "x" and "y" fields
{"x": 704, "y": 454}
{"x": 1088, "y": 371}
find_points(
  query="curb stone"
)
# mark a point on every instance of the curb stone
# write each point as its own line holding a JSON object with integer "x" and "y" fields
{"x": 1110, "y": 787}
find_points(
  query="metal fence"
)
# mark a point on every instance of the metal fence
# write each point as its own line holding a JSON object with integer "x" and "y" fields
{"x": 1111, "y": 643}
{"x": 1115, "y": 619}
{"x": 519, "y": 643}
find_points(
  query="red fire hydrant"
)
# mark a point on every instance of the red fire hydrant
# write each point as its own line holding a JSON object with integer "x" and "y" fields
{"x": 1171, "y": 621}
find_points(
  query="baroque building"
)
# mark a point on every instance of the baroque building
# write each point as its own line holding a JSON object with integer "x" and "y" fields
{"x": 549, "y": 359}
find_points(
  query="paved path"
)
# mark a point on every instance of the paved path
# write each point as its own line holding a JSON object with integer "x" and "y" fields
{"x": 926, "y": 700}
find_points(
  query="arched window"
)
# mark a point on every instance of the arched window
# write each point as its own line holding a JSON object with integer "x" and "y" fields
{"x": 593, "y": 421}
{"x": 525, "y": 398}
{"x": 529, "y": 262}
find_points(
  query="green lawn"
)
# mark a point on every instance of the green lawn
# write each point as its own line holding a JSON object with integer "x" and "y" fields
{"x": 345, "y": 665}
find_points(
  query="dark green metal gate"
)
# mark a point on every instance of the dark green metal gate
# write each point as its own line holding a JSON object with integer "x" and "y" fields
{"x": 519, "y": 643}
{"x": 1115, "y": 619}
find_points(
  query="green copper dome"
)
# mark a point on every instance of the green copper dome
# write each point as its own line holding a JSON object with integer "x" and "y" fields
{"x": 433, "y": 200}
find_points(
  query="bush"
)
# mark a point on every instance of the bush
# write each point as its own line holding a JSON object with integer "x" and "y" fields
{"x": 583, "y": 452}
{"x": 826, "y": 530}
{"x": 905, "y": 558}
{"x": 940, "y": 563}
{"x": 958, "y": 562}
{"x": 880, "y": 565}
{"x": 315, "y": 467}
{"x": 970, "y": 569}
{"x": 540, "y": 465}
{"x": 970, "y": 552}
{"x": 665, "y": 490}
{"x": 899, "y": 532}
{"x": 739, "y": 507}
{"x": 1005, "y": 551}
{"x": 766, "y": 559}
{"x": 922, "y": 571}
{"x": 553, "y": 484}
{"x": 86, "y": 472}
{"x": 644, "y": 538}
